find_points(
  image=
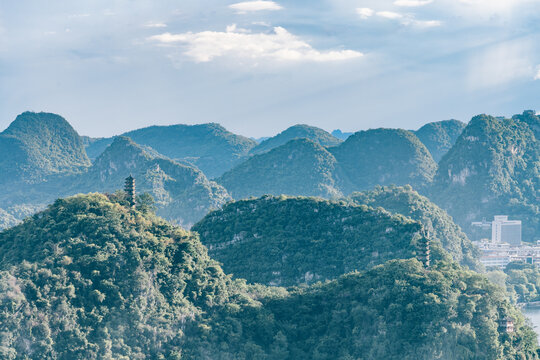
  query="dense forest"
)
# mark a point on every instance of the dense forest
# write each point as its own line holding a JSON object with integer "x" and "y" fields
{"x": 92, "y": 278}
{"x": 294, "y": 240}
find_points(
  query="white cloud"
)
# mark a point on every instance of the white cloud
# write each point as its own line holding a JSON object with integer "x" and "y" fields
{"x": 412, "y": 3}
{"x": 155, "y": 25}
{"x": 389, "y": 15}
{"x": 279, "y": 45}
{"x": 426, "y": 23}
{"x": 537, "y": 75}
{"x": 250, "y": 6}
{"x": 365, "y": 12}
{"x": 408, "y": 19}
{"x": 500, "y": 64}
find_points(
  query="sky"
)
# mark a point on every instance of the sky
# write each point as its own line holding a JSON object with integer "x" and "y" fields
{"x": 258, "y": 67}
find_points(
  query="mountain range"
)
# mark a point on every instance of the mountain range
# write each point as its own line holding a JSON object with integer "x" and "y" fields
{"x": 490, "y": 168}
{"x": 210, "y": 147}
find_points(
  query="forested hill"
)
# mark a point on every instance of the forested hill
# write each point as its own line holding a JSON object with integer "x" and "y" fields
{"x": 38, "y": 145}
{"x": 300, "y": 167}
{"x": 494, "y": 168}
{"x": 294, "y": 240}
{"x": 182, "y": 193}
{"x": 404, "y": 200}
{"x": 385, "y": 157}
{"x": 440, "y": 136}
{"x": 90, "y": 278}
{"x": 300, "y": 131}
{"x": 209, "y": 146}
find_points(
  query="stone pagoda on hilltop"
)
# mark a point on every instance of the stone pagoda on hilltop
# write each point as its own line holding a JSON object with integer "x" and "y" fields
{"x": 422, "y": 248}
{"x": 129, "y": 188}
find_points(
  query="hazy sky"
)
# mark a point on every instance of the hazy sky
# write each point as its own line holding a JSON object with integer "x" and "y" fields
{"x": 258, "y": 67}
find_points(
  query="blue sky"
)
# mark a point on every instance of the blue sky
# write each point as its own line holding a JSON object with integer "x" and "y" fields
{"x": 258, "y": 67}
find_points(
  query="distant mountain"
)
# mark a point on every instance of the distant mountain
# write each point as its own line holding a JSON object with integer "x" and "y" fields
{"x": 38, "y": 145}
{"x": 439, "y": 137}
{"x": 407, "y": 202}
{"x": 493, "y": 169}
{"x": 95, "y": 146}
{"x": 312, "y": 133}
{"x": 261, "y": 139}
{"x": 293, "y": 240}
{"x": 210, "y": 147}
{"x": 182, "y": 193}
{"x": 341, "y": 135}
{"x": 385, "y": 157}
{"x": 300, "y": 167}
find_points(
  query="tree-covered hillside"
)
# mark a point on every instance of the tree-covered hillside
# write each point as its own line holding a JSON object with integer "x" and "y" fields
{"x": 90, "y": 278}
{"x": 300, "y": 167}
{"x": 209, "y": 146}
{"x": 300, "y": 131}
{"x": 394, "y": 311}
{"x": 440, "y": 136}
{"x": 38, "y": 145}
{"x": 493, "y": 169}
{"x": 295, "y": 240}
{"x": 182, "y": 193}
{"x": 406, "y": 201}
{"x": 385, "y": 157}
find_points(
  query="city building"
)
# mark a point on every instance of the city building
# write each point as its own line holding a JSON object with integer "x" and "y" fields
{"x": 506, "y": 231}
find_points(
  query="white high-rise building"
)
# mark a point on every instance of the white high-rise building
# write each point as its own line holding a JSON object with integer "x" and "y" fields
{"x": 506, "y": 231}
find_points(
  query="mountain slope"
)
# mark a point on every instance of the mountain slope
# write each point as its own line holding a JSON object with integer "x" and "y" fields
{"x": 210, "y": 147}
{"x": 182, "y": 193}
{"x": 407, "y": 202}
{"x": 300, "y": 167}
{"x": 440, "y": 136}
{"x": 494, "y": 168}
{"x": 300, "y": 131}
{"x": 385, "y": 157}
{"x": 89, "y": 278}
{"x": 38, "y": 145}
{"x": 288, "y": 241}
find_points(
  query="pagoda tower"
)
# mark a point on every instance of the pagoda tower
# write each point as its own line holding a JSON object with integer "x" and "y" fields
{"x": 129, "y": 188}
{"x": 422, "y": 250}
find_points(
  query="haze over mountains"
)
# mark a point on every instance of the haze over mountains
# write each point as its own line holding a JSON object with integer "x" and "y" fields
{"x": 93, "y": 277}
{"x": 491, "y": 167}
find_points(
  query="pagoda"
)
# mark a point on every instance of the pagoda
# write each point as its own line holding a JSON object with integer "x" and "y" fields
{"x": 422, "y": 250}
{"x": 129, "y": 188}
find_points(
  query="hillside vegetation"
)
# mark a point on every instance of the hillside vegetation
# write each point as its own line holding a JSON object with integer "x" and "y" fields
{"x": 210, "y": 147}
{"x": 494, "y": 168}
{"x": 407, "y": 202}
{"x": 38, "y": 145}
{"x": 90, "y": 278}
{"x": 440, "y": 136}
{"x": 384, "y": 157}
{"x": 182, "y": 193}
{"x": 300, "y": 167}
{"x": 294, "y": 240}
